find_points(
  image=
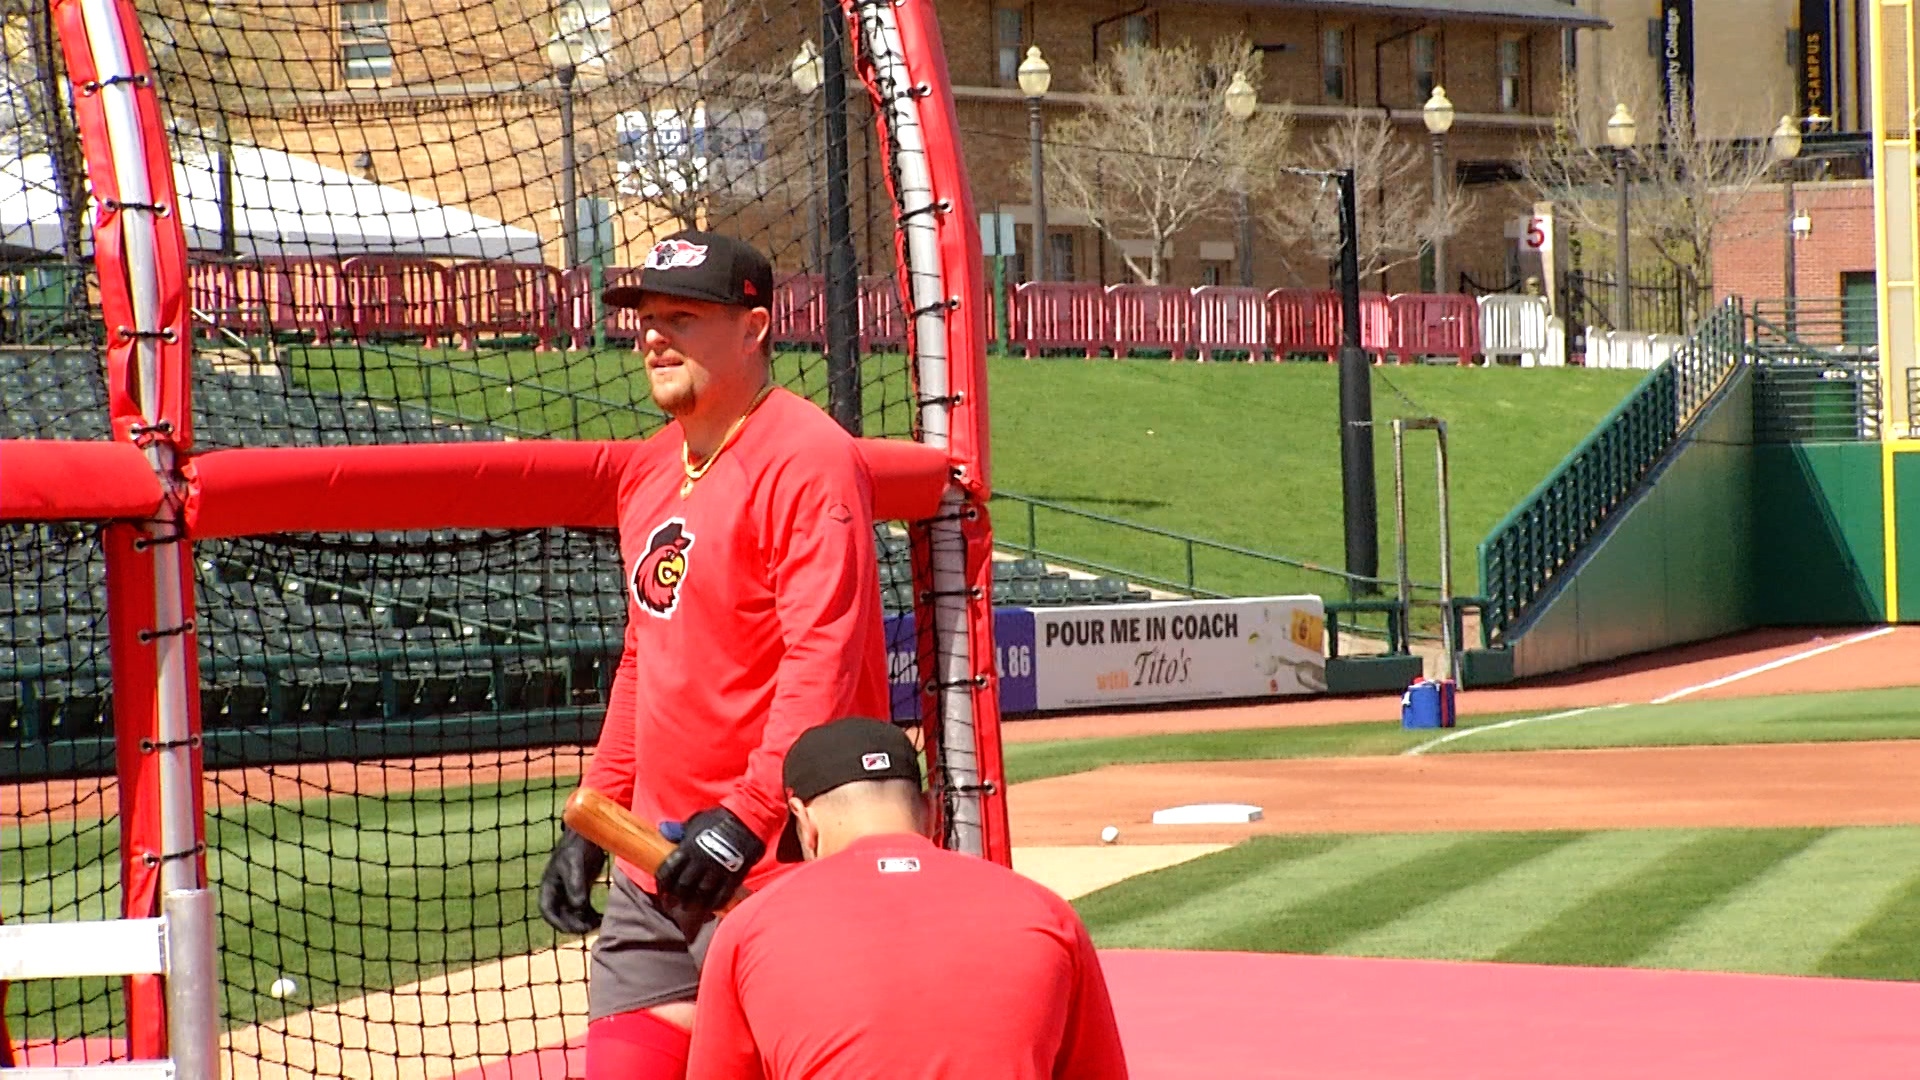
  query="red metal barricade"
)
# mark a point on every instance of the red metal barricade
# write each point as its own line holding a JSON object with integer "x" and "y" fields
{"x": 1435, "y": 325}
{"x": 303, "y": 294}
{"x": 504, "y": 299}
{"x": 622, "y": 324}
{"x": 398, "y": 296}
{"x": 1151, "y": 317}
{"x": 1059, "y": 315}
{"x": 882, "y": 322}
{"x": 1230, "y": 318}
{"x": 800, "y": 310}
{"x": 1303, "y": 321}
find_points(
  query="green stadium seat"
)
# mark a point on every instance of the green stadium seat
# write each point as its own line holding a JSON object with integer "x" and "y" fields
{"x": 1023, "y": 593}
{"x": 1082, "y": 591}
{"x": 1053, "y": 592}
{"x": 1002, "y": 593}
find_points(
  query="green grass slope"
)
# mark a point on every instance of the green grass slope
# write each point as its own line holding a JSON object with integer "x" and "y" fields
{"x": 1840, "y": 902}
{"x": 1246, "y": 454}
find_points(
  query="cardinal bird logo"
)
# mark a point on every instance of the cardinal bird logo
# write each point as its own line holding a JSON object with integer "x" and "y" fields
{"x": 657, "y": 576}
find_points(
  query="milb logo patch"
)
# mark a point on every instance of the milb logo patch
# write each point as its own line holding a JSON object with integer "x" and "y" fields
{"x": 902, "y": 864}
{"x": 875, "y": 762}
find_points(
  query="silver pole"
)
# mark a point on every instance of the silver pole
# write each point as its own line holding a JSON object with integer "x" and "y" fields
{"x": 193, "y": 980}
{"x": 1439, "y": 200}
{"x": 1447, "y": 642}
{"x": 1622, "y": 298}
{"x": 1404, "y": 581}
{"x": 1039, "y": 270}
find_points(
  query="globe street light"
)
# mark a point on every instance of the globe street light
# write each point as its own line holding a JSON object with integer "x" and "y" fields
{"x": 1035, "y": 77}
{"x": 1785, "y": 145}
{"x": 1437, "y": 114}
{"x": 806, "y": 73}
{"x": 1242, "y": 100}
{"x": 1620, "y": 135}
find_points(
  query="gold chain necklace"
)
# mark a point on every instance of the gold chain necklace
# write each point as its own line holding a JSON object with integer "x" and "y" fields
{"x": 686, "y": 453}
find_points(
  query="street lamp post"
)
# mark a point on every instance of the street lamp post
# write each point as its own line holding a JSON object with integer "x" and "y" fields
{"x": 1035, "y": 76}
{"x": 843, "y": 272}
{"x": 1242, "y": 100}
{"x": 1785, "y": 144}
{"x": 805, "y": 73}
{"x": 569, "y": 228}
{"x": 1620, "y": 136}
{"x": 1437, "y": 113}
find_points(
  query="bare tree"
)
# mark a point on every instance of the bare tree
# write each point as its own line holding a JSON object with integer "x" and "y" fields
{"x": 1155, "y": 153}
{"x": 1685, "y": 188}
{"x": 37, "y": 117}
{"x": 1398, "y": 216}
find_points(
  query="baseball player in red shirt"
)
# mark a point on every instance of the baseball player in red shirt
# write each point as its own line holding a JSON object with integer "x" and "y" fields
{"x": 753, "y": 614}
{"x": 891, "y": 957}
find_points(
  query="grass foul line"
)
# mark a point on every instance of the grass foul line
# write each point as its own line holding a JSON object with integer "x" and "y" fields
{"x": 1452, "y": 735}
{"x": 1772, "y": 664}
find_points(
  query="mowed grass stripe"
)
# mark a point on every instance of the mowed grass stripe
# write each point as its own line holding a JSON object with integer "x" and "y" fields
{"x": 1618, "y": 924}
{"x": 1884, "y": 948}
{"x": 1480, "y": 921}
{"x": 1277, "y": 877}
{"x": 1314, "y": 925}
{"x": 1786, "y": 920}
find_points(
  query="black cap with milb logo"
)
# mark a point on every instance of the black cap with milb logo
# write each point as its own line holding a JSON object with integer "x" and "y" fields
{"x": 696, "y": 265}
{"x": 843, "y": 752}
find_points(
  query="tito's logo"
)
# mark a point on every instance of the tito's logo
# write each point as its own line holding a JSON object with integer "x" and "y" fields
{"x": 657, "y": 577}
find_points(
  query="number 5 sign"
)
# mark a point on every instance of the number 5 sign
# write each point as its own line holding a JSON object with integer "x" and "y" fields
{"x": 1536, "y": 234}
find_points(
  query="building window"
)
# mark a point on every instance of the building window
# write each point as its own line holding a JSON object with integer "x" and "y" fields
{"x": 1512, "y": 74}
{"x": 365, "y": 52}
{"x": 1426, "y": 66}
{"x": 1335, "y": 64}
{"x": 1012, "y": 27}
{"x": 1059, "y": 256}
{"x": 1213, "y": 273}
{"x": 1139, "y": 29}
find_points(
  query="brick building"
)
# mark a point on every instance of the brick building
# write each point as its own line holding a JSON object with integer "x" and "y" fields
{"x": 1833, "y": 249}
{"x": 1499, "y": 60}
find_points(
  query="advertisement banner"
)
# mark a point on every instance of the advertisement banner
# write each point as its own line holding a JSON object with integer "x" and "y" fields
{"x": 1676, "y": 64}
{"x": 1816, "y": 58}
{"x": 1178, "y": 651}
{"x": 1013, "y": 660}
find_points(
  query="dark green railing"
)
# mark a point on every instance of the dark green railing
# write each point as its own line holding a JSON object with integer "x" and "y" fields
{"x": 1529, "y": 549}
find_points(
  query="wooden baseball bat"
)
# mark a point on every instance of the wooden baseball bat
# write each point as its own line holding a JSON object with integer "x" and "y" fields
{"x": 614, "y": 828}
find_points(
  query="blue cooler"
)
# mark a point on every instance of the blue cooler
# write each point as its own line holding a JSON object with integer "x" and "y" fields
{"x": 1427, "y": 704}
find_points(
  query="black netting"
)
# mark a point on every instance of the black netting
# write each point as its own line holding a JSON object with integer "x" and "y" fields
{"x": 375, "y": 202}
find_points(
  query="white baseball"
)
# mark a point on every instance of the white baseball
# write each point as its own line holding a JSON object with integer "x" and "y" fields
{"x": 282, "y": 988}
{"x": 1109, "y": 834}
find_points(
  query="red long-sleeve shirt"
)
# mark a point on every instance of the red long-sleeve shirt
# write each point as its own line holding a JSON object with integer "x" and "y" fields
{"x": 753, "y": 613}
{"x": 895, "y": 958}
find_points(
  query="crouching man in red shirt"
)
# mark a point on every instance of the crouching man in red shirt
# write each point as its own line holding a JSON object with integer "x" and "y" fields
{"x": 889, "y": 956}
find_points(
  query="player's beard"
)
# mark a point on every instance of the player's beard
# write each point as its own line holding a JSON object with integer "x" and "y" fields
{"x": 675, "y": 394}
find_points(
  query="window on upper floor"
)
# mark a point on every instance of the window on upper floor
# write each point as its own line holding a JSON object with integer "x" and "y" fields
{"x": 1141, "y": 28}
{"x": 366, "y": 53}
{"x": 1426, "y": 66}
{"x": 587, "y": 25}
{"x": 1513, "y": 74}
{"x": 1336, "y": 63}
{"x": 1012, "y": 33}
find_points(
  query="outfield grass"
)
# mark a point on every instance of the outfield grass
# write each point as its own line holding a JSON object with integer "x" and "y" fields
{"x": 1240, "y": 453}
{"x": 1840, "y": 901}
{"x": 345, "y": 895}
{"x": 1829, "y": 717}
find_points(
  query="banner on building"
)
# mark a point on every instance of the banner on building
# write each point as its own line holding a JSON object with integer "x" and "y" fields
{"x": 1816, "y": 58}
{"x": 1178, "y": 651}
{"x": 1676, "y": 61}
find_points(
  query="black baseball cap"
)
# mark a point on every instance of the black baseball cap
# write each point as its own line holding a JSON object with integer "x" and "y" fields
{"x": 843, "y": 752}
{"x": 697, "y": 265}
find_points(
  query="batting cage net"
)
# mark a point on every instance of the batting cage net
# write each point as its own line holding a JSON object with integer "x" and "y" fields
{"x": 312, "y": 598}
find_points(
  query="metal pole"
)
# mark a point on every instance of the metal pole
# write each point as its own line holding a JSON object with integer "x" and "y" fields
{"x": 1439, "y": 199}
{"x": 569, "y": 237}
{"x": 1790, "y": 269}
{"x": 1246, "y": 236}
{"x": 843, "y": 280}
{"x": 1038, "y": 272}
{"x": 193, "y": 983}
{"x": 1358, "y": 500}
{"x": 814, "y": 255}
{"x": 1622, "y": 298}
{"x": 1401, "y": 575}
{"x": 1447, "y": 642}
{"x": 229, "y": 241}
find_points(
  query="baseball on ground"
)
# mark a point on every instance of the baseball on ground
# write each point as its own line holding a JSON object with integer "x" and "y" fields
{"x": 282, "y": 988}
{"x": 1109, "y": 834}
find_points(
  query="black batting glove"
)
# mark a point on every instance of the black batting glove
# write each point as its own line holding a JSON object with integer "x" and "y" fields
{"x": 709, "y": 863}
{"x": 566, "y": 889}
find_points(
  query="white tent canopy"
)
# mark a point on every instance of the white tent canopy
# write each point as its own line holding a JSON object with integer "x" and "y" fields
{"x": 282, "y": 205}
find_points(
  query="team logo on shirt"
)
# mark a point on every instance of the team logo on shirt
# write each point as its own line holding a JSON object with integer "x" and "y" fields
{"x": 658, "y": 574}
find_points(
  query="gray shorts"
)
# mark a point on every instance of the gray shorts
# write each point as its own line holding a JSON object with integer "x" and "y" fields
{"x": 643, "y": 957}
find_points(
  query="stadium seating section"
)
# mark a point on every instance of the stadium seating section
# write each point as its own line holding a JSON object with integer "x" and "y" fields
{"x": 347, "y": 629}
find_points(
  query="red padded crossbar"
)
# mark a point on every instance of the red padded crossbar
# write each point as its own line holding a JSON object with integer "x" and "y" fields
{"x": 49, "y": 480}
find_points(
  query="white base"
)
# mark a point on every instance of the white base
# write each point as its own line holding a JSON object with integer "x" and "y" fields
{"x": 1208, "y": 814}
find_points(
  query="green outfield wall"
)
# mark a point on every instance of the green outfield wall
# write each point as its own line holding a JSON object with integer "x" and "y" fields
{"x": 1674, "y": 565}
{"x": 1819, "y": 535}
